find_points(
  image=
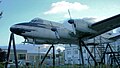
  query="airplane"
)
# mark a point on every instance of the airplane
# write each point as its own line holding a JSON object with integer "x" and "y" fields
{"x": 48, "y": 32}
{"x": 42, "y": 31}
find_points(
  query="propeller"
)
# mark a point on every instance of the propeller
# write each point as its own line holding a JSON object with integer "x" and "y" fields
{"x": 54, "y": 29}
{"x": 71, "y": 21}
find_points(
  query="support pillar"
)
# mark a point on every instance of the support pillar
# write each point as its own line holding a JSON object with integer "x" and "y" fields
{"x": 80, "y": 45}
{"x": 14, "y": 49}
{"x": 53, "y": 56}
{"x": 89, "y": 52}
{"x": 47, "y": 54}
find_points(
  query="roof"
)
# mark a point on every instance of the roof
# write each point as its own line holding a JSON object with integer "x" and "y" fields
{"x": 31, "y": 48}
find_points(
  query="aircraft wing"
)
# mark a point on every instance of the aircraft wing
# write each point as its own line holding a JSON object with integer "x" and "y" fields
{"x": 106, "y": 25}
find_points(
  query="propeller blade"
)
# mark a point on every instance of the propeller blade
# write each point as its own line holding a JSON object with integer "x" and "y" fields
{"x": 56, "y": 32}
{"x": 54, "y": 29}
{"x": 69, "y": 14}
{"x": 74, "y": 29}
{"x": 71, "y": 21}
{"x": 57, "y": 35}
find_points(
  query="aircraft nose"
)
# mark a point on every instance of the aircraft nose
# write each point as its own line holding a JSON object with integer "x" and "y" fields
{"x": 16, "y": 30}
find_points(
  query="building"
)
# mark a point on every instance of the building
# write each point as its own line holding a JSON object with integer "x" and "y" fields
{"x": 72, "y": 55}
{"x": 35, "y": 53}
{"x": 29, "y": 52}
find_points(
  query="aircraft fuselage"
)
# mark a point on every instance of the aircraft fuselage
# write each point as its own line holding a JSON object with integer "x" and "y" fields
{"x": 51, "y": 31}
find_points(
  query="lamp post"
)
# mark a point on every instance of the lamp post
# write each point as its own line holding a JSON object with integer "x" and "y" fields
{"x": 39, "y": 53}
{"x": 59, "y": 55}
{"x": 38, "y": 56}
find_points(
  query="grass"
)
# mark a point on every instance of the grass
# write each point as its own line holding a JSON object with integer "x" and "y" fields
{"x": 66, "y": 66}
{"x": 2, "y": 65}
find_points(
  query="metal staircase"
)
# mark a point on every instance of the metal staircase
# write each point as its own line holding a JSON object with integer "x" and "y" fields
{"x": 106, "y": 48}
{"x": 102, "y": 49}
{"x": 117, "y": 56}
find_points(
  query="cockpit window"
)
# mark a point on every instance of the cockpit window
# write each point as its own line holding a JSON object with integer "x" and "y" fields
{"x": 36, "y": 20}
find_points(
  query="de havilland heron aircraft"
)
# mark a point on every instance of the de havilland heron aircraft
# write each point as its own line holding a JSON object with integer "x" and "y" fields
{"x": 42, "y": 31}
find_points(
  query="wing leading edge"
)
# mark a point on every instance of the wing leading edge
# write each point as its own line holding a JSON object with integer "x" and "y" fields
{"x": 106, "y": 25}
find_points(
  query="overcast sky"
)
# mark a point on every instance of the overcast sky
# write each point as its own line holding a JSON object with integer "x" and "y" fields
{"x": 17, "y": 11}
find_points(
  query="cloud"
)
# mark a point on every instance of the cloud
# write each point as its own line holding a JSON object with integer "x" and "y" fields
{"x": 63, "y": 6}
{"x": 93, "y": 19}
{"x": 66, "y": 15}
{"x": 89, "y": 19}
{"x": 99, "y": 18}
